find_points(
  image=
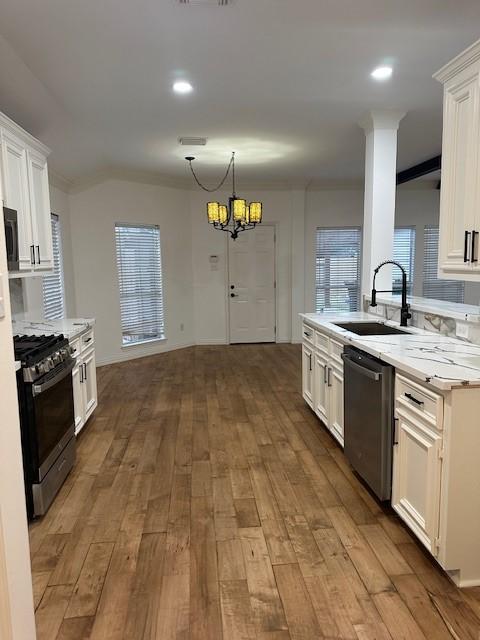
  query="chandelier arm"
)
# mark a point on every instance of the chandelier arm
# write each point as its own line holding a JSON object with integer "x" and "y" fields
{"x": 222, "y": 182}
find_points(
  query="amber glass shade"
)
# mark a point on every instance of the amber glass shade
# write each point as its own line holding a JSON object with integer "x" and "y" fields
{"x": 255, "y": 212}
{"x": 213, "y": 212}
{"x": 239, "y": 210}
{"x": 223, "y": 212}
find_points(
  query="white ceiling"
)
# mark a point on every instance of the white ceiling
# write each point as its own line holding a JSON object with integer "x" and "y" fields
{"x": 283, "y": 82}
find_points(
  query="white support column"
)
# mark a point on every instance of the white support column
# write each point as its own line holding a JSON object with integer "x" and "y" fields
{"x": 380, "y": 185}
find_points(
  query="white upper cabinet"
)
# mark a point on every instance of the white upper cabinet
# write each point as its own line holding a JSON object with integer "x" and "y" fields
{"x": 458, "y": 255}
{"x": 40, "y": 210}
{"x": 24, "y": 177}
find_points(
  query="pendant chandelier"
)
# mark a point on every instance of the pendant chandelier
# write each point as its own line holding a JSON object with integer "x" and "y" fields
{"x": 237, "y": 215}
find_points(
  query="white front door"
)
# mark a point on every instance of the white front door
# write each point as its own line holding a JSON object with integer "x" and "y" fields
{"x": 251, "y": 289}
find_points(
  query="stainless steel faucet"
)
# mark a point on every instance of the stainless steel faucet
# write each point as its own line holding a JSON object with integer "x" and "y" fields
{"x": 405, "y": 308}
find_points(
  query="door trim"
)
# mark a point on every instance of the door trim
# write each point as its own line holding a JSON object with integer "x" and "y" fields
{"x": 275, "y": 267}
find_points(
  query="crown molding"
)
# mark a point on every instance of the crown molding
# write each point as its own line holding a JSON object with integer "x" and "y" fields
{"x": 59, "y": 181}
{"x": 127, "y": 175}
{"x": 459, "y": 63}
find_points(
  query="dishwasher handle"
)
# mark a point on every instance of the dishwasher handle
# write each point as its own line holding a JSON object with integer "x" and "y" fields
{"x": 373, "y": 375}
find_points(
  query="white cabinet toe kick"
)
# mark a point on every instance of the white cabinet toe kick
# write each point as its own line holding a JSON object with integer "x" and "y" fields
{"x": 436, "y": 454}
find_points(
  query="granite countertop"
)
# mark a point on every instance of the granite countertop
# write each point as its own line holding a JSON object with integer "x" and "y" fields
{"x": 70, "y": 327}
{"x": 441, "y": 361}
{"x": 466, "y": 312}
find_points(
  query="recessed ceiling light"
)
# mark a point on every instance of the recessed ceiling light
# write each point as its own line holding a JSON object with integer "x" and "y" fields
{"x": 182, "y": 87}
{"x": 382, "y": 73}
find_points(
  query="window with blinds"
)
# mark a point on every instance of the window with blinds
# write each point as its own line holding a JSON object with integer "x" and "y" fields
{"x": 433, "y": 287}
{"x": 404, "y": 253}
{"x": 53, "y": 286}
{"x": 139, "y": 267}
{"x": 337, "y": 269}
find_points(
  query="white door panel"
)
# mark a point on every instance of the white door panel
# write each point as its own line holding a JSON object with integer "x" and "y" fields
{"x": 252, "y": 286}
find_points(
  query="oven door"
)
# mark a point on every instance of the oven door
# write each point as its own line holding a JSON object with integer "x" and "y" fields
{"x": 54, "y": 415}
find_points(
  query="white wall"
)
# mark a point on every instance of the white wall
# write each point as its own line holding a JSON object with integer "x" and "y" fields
{"x": 93, "y": 213}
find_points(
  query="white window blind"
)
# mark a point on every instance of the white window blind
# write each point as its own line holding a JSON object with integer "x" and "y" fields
{"x": 404, "y": 253}
{"x": 140, "y": 281}
{"x": 53, "y": 286}
{"x": 433, "y": 287}
{"x": 337, "y": 269}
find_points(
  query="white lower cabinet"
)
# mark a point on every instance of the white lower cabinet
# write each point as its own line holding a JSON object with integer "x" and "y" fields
{"x": 84, "y": 382}
{"x": 417, "y": 467}
{"x": 322, "y": 375}
{"x": 320, "y": 382}
{"x": 307, "y": 374}
{"x": 335, "y": 402}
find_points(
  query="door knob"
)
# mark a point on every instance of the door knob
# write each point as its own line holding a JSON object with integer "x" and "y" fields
{"x": 232, "y": 286}
{"x": 233, "y": 295}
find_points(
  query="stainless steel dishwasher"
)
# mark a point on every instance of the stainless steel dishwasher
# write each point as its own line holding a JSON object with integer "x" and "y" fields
{"x": 368, "y": 397}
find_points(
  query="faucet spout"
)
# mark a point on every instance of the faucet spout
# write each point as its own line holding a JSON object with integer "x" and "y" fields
{"x": 405, "y": 308}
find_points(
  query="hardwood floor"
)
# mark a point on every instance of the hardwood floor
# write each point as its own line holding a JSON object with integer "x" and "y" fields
{"x": 208, "y": 502}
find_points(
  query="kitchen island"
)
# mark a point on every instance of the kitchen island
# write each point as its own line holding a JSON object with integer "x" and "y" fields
{"x": 436, "y": 447}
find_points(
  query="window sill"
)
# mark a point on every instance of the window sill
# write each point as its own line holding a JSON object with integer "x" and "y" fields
{"x": 143, "y": 342}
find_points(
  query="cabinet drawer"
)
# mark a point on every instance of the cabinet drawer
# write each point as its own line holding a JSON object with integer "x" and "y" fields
{"x": 336, "y": 350}
{"x": 86, "y": 340}
{"x": 419, "y": 401}
{"x": 308, "y": 334}
{"x": 321, "y": 341}
{"x": 75, "y": 345}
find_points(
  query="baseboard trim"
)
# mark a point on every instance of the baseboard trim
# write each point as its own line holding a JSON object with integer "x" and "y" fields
{"x": 146, "y": 353}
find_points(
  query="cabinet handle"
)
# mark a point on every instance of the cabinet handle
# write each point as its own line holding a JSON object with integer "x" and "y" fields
{"x": 307, "y": 335}
{"x": 329, "y": 377}
{"x": 38, "y": 254}
{"x": 325, "y": 373}
{"x": 84, "y": 371}
{"x": 465, "y": 247}
{"x": 474, "y": 235}
{"x": 87, "y": 340}
{"x": 395, "y": 431}
{"x": 32, "y": 254}
{"x": 413, "y": 399}
{"x": 80, "y": 371}
{"x": 310, "y": 361}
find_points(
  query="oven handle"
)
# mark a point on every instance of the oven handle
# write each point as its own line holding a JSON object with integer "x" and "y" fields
{"x": 373, "y": 375}
{"x": 37, "y": 389}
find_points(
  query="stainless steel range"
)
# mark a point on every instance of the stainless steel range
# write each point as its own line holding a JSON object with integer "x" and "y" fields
{"x": 47, "y": 416}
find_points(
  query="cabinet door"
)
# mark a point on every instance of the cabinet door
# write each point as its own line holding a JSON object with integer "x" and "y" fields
{"x": 78, "y": 406}
{"x": 459, "y": 174}
{"x": 416, "y": 478}
{"x": 320, "y": 381}
{"x": 16, "y": 195}
{"x": 40, "y": 209}
{"x": 89, "y": 382}
{"x": 335, "y": 402}
{"x": 307, "y": 374}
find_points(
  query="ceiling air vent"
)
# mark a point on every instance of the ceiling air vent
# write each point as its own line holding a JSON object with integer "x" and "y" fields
{"x": 219, "y": 3}
{"x": 192, "y": 141}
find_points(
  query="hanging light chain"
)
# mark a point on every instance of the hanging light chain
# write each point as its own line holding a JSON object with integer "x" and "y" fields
{"x": 222, "y": 182}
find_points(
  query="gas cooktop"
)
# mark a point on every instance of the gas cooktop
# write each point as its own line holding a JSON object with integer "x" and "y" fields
{"x": 32, "y": 349}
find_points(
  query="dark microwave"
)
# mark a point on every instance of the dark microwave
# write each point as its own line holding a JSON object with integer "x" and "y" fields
{"x": 11, "y": 238}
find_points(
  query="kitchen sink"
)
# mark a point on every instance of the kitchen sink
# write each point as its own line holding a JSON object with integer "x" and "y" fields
{"x": 370, "y": 328}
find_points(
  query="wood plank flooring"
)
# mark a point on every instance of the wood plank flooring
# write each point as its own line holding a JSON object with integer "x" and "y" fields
{"x": 208, "y": 502}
